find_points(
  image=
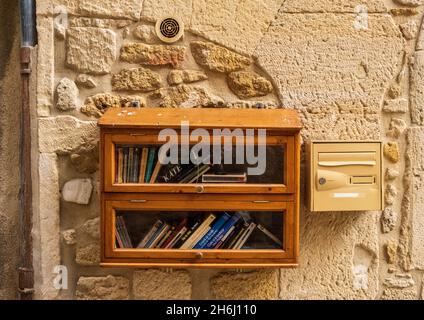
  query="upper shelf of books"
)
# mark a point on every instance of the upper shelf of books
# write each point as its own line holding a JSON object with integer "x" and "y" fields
{"x": 198, "y": 151}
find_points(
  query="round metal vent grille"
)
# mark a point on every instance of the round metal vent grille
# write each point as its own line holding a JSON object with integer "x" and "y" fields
{"x": 169, "y": 29}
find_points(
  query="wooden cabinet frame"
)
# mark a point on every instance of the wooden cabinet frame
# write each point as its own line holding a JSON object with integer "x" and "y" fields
{"x": 283, "y": 127}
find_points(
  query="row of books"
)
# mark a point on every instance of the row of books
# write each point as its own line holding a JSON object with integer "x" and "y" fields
{"x": 137, "y": 164}
{"x": 224, "y": 231}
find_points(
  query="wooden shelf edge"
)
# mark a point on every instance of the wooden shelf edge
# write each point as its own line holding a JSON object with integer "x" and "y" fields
{"x": 199, "y": 265}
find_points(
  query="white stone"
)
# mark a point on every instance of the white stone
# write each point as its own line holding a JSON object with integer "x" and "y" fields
{"x": 409, "y": 29}
{"x": 77, "y": 191}
{"x": 390, "y": 194}
{"x": 67, "y": 95}
{"x": 145, "y": 33}
{"x": 392, "y": 174}
{"x": 86, "y": 81}
{"x": 63, "y": 134}
{"x": 90, "y": 50}
{"x": 69, "y": 236}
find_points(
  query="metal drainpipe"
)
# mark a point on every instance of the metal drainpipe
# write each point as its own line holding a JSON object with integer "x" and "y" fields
{"x": 28, "y": 41}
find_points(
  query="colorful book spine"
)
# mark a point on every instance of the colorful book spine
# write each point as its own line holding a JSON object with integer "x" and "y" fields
{"x": 192, "y": 240}
{"x": 172, "y": 244}
{"x": 125, "y": 166}
{"x": 165, "y": 238}
{"x": 214, "y": 230}
{"x": 150, "y": 164}
{"x": 167, "y": 243}
{"x": 200, "y": 237}
{"x": 136, "y": 169}
{"x": 130, "y": 167}
{"x": 149, "y": 234}
{"x": 236, "y": 237}
{"x": 245, "y": 236}
{"x": 143, "y": 164}
{"x": 153, "y": 237}
{"x": 187, "y": 234}
{"x": 160, "y": 236}
{"x": 120, "y": 164}
{"x": 123, "y": 232}
{"x": 220, "y": 234}
{"x": 225, "y": 237}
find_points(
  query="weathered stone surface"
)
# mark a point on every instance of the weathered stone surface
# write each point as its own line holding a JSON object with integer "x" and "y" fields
{"x": 153, "y": 9}
{"x": 388, "y": 220}
{"x": 391, "y": 174}
{"x": 64, "y": 134}
{"x": 84, "y": 80}
{"x": 159, "y": 285}
{"x": 256, "y": 285}
{"x": 217, "y": 58}
{"x": 77, "y": 191}
{"x": 397, "y": 128}
{"x": 400, "y": 294}
{"x": 417, "y": 88}
{"x": 145, "y": 33}
{"x": 90, "y": 50}
{"x": 391, "y": 151}
{"x": 396, "y": 106}
{"x": 184, "y": 96}
{"x": 353, "y": 90}
{"x": 136, "y": 79}
{"x": 399, "y": 281}
{"x": 176, "y": 77}
{"x": 412, "y": 227}
{"x": 153, "y": 55}
{"x": 69, "y": 236}
{"x": 88, "y": 244}
{"x": 411, "y": 3}
{"x": 420, "y": 40}
{"x": 66, "y": 95}
{"x": 338, "y": 6}
{"x": 391, "y": 251}
{"x": 237, "y": 24}
{"x": 390, "y": 194}
{"x": 48, "y": 229}
{"x": 248, "y": 84}
{"x": 96, "y": 105}
{"x": 45, "y": 66}
{"x": 130, "y": 9}
{"x": 86, "y": 158}
{"x": 102, "y": 288}
{"x": 409, "y": 29}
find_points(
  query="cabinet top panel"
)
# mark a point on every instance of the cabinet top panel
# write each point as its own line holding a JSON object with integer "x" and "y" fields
{"x": 208, "y": 118}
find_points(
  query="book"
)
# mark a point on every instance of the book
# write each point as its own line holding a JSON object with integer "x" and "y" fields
{"x": 245, "y": 236}
{"x": 168, "y": 173}
{"x": 269, "y": 234}
{"x": 167, "y": 235}
{"x": 150, "y": 164}
{"x": 125, "y": 166}
{"x": 178, "y": 236}
{"x": 195, "y": 174}
{"x": 200, "y": 236}
{"x": 224, "y": 238}
{"x": 154, "y": 235}
{"x": 120, "y": 164}
{"x": 224, "y": 178}
{"x": 221, "y": 232}
{"x": 122, "y": 230}
{"x": 214, "y": 230}
{"x": 130, "y": 167}
{"x": 194, "y": 237}
{"x": 136, "y": 169}
{"x": 156, "y": 170}
{"x": 143, "y": 164}
{"x": 149, "y": 234}
{"x": 160, "y": 235}
{"x": 171, "y": 238}
{"x": 119, "y": 242}
{"x": 223, "y": 244}
{"x": 188, "y": 233}
{"x": 243, "y": 227}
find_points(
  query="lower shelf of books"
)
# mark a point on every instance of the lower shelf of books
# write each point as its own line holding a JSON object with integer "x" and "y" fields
{"x": 205, "y": 230}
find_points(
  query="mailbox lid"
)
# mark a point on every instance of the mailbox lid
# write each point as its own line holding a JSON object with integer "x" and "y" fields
{"x": 345, "y": 176}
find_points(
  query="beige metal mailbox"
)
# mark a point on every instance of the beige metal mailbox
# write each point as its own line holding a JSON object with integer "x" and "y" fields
{"x": 345, "y": 176}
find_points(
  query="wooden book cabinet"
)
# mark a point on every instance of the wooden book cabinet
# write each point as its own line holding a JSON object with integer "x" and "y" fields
{"x": 150, "y": 217}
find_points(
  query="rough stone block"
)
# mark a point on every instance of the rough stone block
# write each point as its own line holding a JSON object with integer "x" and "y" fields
{"x": 67, "y": 95}
{"x": 400, "y": 294}
{"x": 248, "y": 84}
{"x": 417, "y": 88}
{"x": 389, "y": 219}
{"x": 338, "y": 6}
{"x": 153, "y": 55}
{"x": 159, "y": 285}
{"x": 136, "y": 79}
{"x": 77, "y": 191}
{"x": 391, "y": 151}
{"x": 96, "y": 106}
{"x": 130, "y": 9}
{"x": 64, "y": 134}
{"x": 257, "y": 285}
{"x": 90, "y": 50}
{"x": 176, "y": 77}
{"x": 102, "y": 288}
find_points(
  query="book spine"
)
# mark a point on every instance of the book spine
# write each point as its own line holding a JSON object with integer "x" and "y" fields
{"x": 187, "y": 234}
{"x": 126, "y": 236}
{"x": 198, "y": 174}
{"x": 125, "y": 166}
{"x": 177, "y": 237}
{"x": 150, "y": 164}
{"x": 232, "y": 235}
{"x": 218, "y": 225}
{"x": 143, "y": 164}
{"x": 153, "y": 237}
{"x": 237, "y": 236}
{"x": 118, "y": 236}
{"x": 201, "y": 235}
{"x": 182, "y": 224}
{"x": 225, "y": 237}
{"x": 149, "y": 234}
{"x": 120, "y": 164}
{"x": 246, "y": 236}
{"x": 166, "y": 237}
{"x": 160, "y": 236}
{"x": 155, "y": 172}
{"x": 136, "y": 162}
{"x": 194, "y": 237}
{"x": 231, "y": 222}
{"x": 130, "y": 164}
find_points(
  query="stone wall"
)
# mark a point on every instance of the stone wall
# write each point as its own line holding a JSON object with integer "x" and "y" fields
{"x": 9, "y": 150}
{"x": 351, "y": 75}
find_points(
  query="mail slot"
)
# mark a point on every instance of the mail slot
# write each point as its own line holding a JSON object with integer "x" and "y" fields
{"x": 345, "y": 176}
